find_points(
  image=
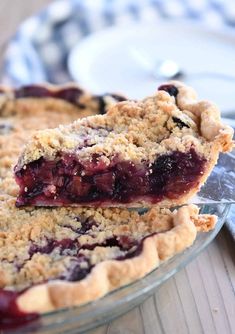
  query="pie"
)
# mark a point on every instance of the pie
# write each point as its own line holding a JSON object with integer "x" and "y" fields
{"x": 53, "y": 257}
{"x": 156, "y": 151}
{"x": 58, "y": 257}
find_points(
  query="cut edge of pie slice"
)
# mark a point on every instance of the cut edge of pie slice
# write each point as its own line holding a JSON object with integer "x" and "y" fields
{"x": 156, "y": 151}
{"x": 142, "y": 242}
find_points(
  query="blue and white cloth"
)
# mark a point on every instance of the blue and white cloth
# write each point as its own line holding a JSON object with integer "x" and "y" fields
{"x": 38, "y": 52}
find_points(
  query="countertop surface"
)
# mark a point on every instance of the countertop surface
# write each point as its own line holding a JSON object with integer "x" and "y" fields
{"x": 198, "y": 299}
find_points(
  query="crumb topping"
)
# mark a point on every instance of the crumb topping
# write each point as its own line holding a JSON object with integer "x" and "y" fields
{"x": 45, "y": 244}
{"x": 133, "y": 130}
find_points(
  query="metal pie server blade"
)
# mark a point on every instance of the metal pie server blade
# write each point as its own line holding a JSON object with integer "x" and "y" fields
{"x": 220, "y": 186}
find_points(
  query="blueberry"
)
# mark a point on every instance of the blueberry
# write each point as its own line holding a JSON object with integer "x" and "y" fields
{"x": 170, "y": 89}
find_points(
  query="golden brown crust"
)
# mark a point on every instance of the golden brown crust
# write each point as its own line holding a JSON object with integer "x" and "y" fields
{"x": 209, "y": 116}
{"x": 111, "y": 274}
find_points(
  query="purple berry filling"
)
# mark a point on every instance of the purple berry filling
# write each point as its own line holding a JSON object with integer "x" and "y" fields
{"x": 6, "y": 128}
{"x": 87, "y": 224}
{"x": 67, "y": 180}
{"x": 69, "y": 94}
{"x": 10, "y": 315}
{"x": 170, "y": 89}
{"x": 102, "y": 104}
{"x": 64, "y": 244}
{"x": 77, "y": 273}
{"x": 180, "y": 123}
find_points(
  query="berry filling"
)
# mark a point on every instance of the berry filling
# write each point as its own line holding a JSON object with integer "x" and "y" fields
{"x": 170, "y": 89}
{"x": 67, "y": 180}
{"x": 10, "y": 315}
{"x": 69, "y": 94}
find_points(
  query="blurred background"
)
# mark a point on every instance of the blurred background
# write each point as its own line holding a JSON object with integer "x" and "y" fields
{"x": 126, "y": 46}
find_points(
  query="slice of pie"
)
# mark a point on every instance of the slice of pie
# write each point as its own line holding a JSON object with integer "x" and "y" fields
{"x": 159, "y": 150}
{"x": 53, "y": 258}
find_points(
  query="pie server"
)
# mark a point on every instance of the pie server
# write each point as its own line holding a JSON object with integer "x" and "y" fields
{"x": 220, "y": 186}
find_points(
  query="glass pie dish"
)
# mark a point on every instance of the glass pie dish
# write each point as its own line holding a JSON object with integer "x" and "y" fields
{"x": 215, "y": 198}
{"x": 91, "y": 315}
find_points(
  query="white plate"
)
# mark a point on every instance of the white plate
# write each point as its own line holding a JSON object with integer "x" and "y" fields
{"x": 102, "y": 62}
